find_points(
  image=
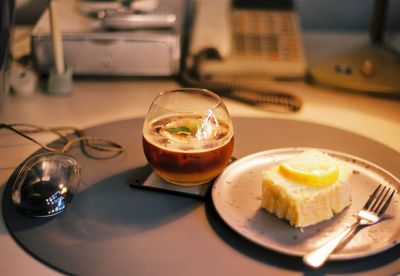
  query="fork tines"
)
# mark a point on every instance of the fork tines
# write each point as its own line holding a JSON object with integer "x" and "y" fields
{"x": 378, "y": 204}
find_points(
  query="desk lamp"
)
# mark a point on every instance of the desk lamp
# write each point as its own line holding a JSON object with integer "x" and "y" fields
{"x": 372, "y": 68}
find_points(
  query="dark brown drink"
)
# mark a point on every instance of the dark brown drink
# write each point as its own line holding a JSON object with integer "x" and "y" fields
{"x": 184, "y": 151}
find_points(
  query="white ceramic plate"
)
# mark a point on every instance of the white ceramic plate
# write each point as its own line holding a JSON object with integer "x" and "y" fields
{"x": 236, "y": 195}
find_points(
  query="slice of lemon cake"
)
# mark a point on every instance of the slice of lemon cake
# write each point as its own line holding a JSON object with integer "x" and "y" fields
{"x": 307, "y": 189}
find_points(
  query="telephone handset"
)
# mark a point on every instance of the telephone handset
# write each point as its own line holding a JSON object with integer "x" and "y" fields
{"x": 252, "y": 37}
{"x": 231, "y": 39}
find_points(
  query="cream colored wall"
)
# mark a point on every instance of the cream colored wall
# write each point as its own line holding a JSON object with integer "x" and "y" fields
{"x": 343, "y": 14}
{"x": 314, "y": 14}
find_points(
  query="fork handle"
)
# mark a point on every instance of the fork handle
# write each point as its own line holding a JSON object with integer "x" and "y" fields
{"x": 318, "y": 257}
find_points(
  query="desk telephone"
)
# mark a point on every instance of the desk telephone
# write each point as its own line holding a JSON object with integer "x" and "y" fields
{"x": 254, "y": 38}
{"x": 234, "y": 39}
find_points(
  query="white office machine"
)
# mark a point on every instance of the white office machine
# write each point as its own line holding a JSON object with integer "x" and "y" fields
{"x": 100, "y": 39}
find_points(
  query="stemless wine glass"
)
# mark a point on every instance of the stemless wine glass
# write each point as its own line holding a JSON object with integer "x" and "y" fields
{"x": 188, "y": 136}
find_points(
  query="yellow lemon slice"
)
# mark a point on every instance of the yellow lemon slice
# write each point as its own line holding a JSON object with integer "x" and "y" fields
{"x": 312, "y": 168}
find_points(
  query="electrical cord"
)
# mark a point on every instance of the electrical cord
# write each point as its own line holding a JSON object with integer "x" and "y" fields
{"x": 92, "y": 142}
{"x": 264, "y": 99}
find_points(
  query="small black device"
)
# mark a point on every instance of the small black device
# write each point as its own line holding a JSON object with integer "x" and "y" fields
{"x": 6, "y": 21}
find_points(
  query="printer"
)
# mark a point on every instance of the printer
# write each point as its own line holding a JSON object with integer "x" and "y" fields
{"x": 92, "y": 49}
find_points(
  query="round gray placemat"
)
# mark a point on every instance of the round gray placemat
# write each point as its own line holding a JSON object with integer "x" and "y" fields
{"x": 112, "y": 229}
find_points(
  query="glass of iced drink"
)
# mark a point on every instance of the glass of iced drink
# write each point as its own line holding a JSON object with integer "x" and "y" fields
{"x": 188, "y": 136}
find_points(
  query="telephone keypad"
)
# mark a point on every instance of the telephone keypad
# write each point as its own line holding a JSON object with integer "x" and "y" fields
{"x": 271, "y": 35}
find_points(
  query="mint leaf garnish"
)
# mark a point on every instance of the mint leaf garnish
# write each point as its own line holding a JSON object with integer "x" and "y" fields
{"x": 179, "y": 130}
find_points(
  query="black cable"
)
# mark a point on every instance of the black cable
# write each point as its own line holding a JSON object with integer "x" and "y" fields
{"x": 262, "y": 98}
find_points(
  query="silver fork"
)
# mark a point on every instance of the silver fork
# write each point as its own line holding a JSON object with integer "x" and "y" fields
{"x": 371, "y": 213}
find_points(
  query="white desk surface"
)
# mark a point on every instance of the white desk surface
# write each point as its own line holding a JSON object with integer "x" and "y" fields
{"x": 100, "y": 101}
